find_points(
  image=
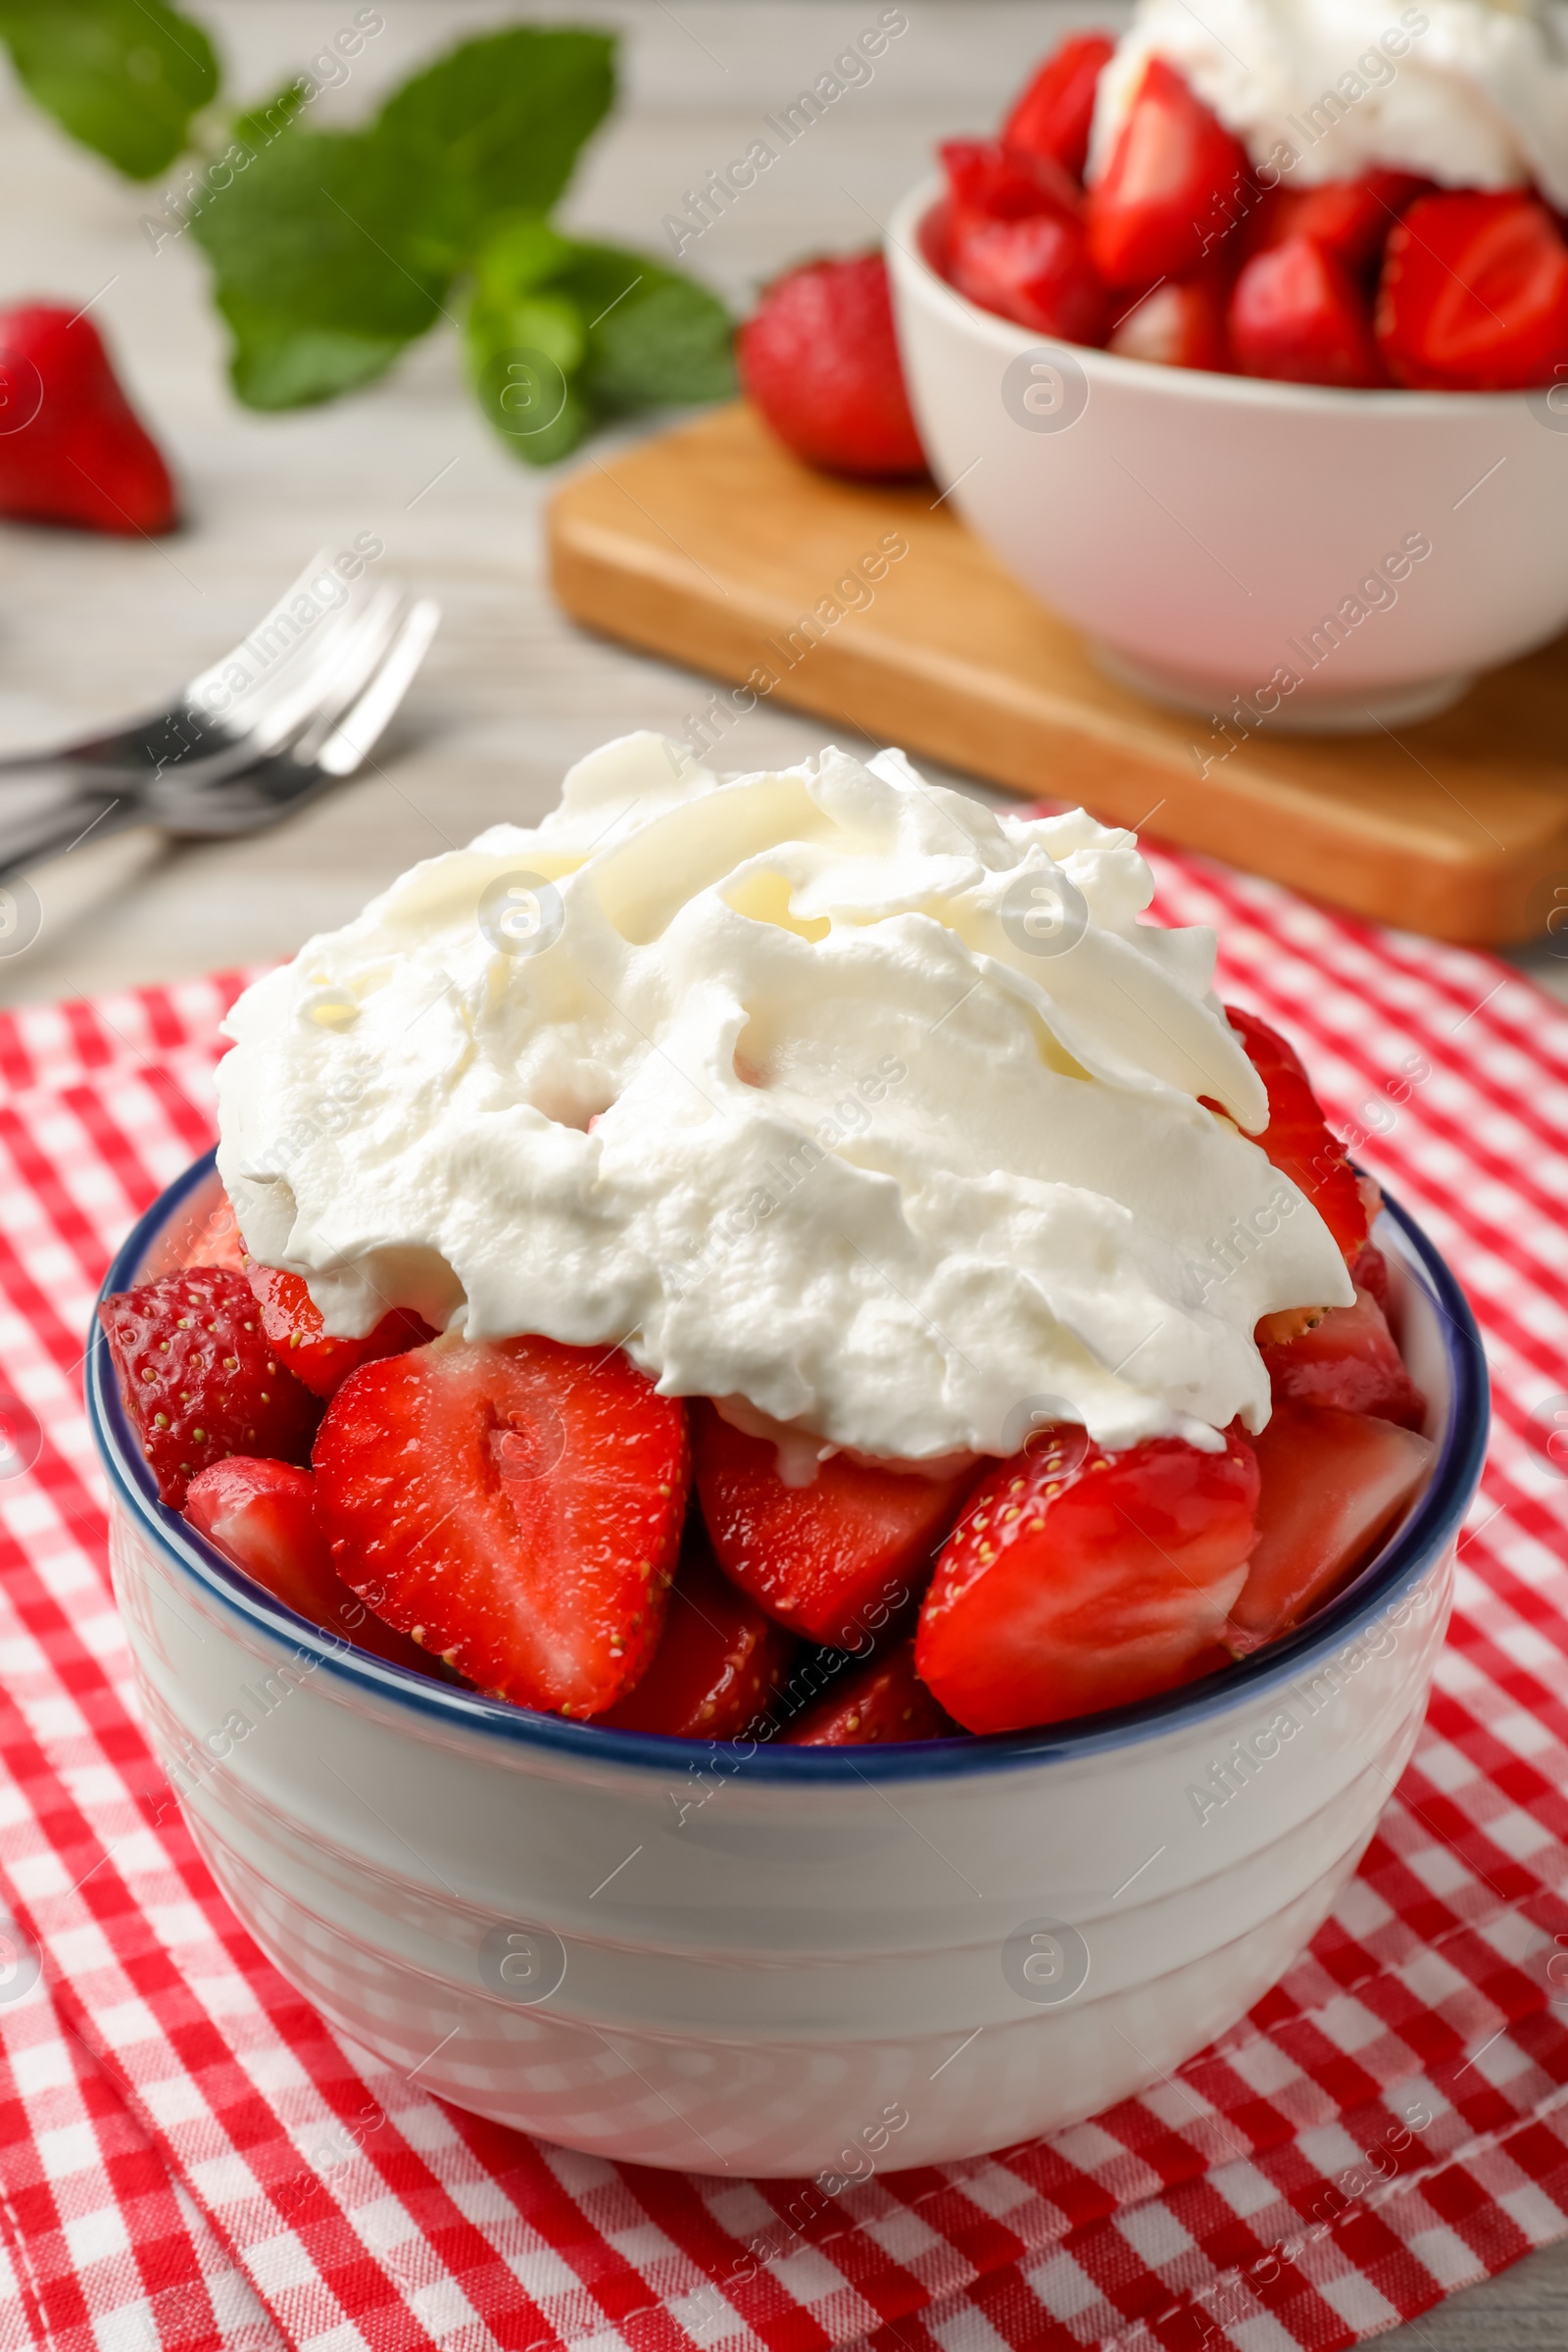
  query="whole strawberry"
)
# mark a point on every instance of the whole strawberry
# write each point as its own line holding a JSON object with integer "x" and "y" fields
{"x": 199, "y": 1378}
{"x": 72, "y": 448}
{"x": 820, "y": 361}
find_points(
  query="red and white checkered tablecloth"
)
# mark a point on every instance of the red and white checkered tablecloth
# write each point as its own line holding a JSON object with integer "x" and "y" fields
{"x": 189, "y": 2158}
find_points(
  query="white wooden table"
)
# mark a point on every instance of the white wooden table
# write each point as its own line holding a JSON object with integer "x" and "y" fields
{"x": 512, "y": 694}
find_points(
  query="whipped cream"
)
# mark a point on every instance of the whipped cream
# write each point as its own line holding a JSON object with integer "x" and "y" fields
{"x": 825, "y": 1091}
{"x": 1470, "y": 93}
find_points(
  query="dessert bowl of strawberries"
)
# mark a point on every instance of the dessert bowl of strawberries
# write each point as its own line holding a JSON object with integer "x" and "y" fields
{"x": 782, "y": 1505}
{"x": 1254, "y": 372}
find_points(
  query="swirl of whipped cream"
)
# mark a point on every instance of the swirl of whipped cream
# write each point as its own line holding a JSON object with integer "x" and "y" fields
{"x": 799, "y": 1096}
{"x": 1470, "y": 93}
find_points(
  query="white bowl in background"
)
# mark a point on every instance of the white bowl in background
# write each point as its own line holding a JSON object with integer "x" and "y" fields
{"x": 1200, "y": 528}
{"x": 790, "y": 1960}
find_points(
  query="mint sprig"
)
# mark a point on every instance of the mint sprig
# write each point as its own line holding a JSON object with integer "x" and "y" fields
{"x": 331, "y": 251}
{"x": 123, "y": 77}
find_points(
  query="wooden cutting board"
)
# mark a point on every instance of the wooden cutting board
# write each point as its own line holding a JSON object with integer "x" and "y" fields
{"x": 710, "y": 545}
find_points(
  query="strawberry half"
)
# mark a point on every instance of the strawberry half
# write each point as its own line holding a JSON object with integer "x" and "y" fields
{"x": 1352, "y": 217}
{"x": 717, "y": 1664}
{"x": 884, "y": 1701}
{"x": 1173, "y": 186}
{"x": 1179, "y": 326}
{"x": 262, "y": 1517}
{"x": 833, "y": 1559}
{"x": 988, "y": 181}
{"x": 1036, "y": 271}
{"x": 1474, "y": 293}
{"x": 1347, "y": 1360}
{"x": 1296, "y": 1138}
{"x": 516, "y": 1506}
{"x": 1056, "y": 113}
{"x": 292, "y": 1321}
{"x": 1332, "y": 1483}
{"x": 1064, "y": 1590}
{"x": 199, "y": 1378}
{"x": 1299, "y": 316}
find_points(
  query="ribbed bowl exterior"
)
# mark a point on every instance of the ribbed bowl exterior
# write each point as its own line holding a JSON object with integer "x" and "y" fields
{"x": 759, "y": 1962}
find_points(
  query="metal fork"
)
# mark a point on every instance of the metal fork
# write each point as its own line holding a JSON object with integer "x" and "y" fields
{"x": 228, "y": 759}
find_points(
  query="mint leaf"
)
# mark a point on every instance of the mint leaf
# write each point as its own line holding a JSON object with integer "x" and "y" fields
{"x": 261, "y": 124}
{"x": 525, "y": 355}
{"x": 562, "y": 333}
{"x": 323, "y": 264}
{"x": 657, "y": 337}
{"x": 499, "y": 121}
{"x": 123, "y": 77}
{"x": 278, "y": 364}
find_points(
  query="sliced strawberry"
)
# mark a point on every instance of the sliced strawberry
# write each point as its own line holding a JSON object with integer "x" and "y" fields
{"x": 199, "y": 1378}
{"x": 883, "y": 1701}
{"x": 1296, "y": 1138}
{"x": 1173, "y": 188}
{"x": 717, "y": 1665}
{"x": 1347, "y": 1360}
{"x": 1061, "y": 1594}
{"x": 988, "y": 181}
{"x": 292, "y": 1321}
{"x": 513, "y": 1504}
{"x": 1332, "y": 1485}
{"x": 1036, "y": 271}
{"x": 262, "y": 1517}
{"x": 1179, "y": 326}
{"x": 1369, "y": 1271}
{"x": 217, "y": 1239}
{"x": 1057, "y": 110}
{"x": 832, "y": 1560}
{"x": 1352, "y": 217}
{"x": 1474, "y": 293}
{"x": 819, "y": 360}
{"x": 1299, "y": 316}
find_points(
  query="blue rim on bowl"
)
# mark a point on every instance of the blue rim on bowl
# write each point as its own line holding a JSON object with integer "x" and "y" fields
{"x": 1396, "y": 1569}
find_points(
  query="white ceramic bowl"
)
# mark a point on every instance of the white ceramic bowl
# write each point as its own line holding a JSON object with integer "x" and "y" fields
{"x": 783, "y": 1960}
{"x": 1207, "y": 532}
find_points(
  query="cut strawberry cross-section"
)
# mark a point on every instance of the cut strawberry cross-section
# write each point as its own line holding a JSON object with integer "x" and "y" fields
{"x": 1172, "y": 188}
{"x": 1179, "y": 326}
{"x": 1067, "y": 1589}
{"x": 517, "y": 1506}
{"x": 1332, "y": 1483}
{"x": 292, "y": 1321}
{"x": 833, "y": 1559}
{"x": 262, "y": 1517}
{"x": 1347, "y": 1360}
{"x": 198, "y": 1377}
{"x": 1474, "y": 293}
{"x": 717, "y": 1665}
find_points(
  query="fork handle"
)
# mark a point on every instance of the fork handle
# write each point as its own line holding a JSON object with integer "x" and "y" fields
{"x": 27, "y": 840}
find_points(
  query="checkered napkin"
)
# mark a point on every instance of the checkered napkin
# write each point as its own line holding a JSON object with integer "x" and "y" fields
{"x": 189, "y": 2158}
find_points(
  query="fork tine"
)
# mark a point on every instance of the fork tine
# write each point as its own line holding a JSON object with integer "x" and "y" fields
{"x": 204, "y": 687}
{"x": 358, "y": 732}
{"x": 331, "y": 682}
